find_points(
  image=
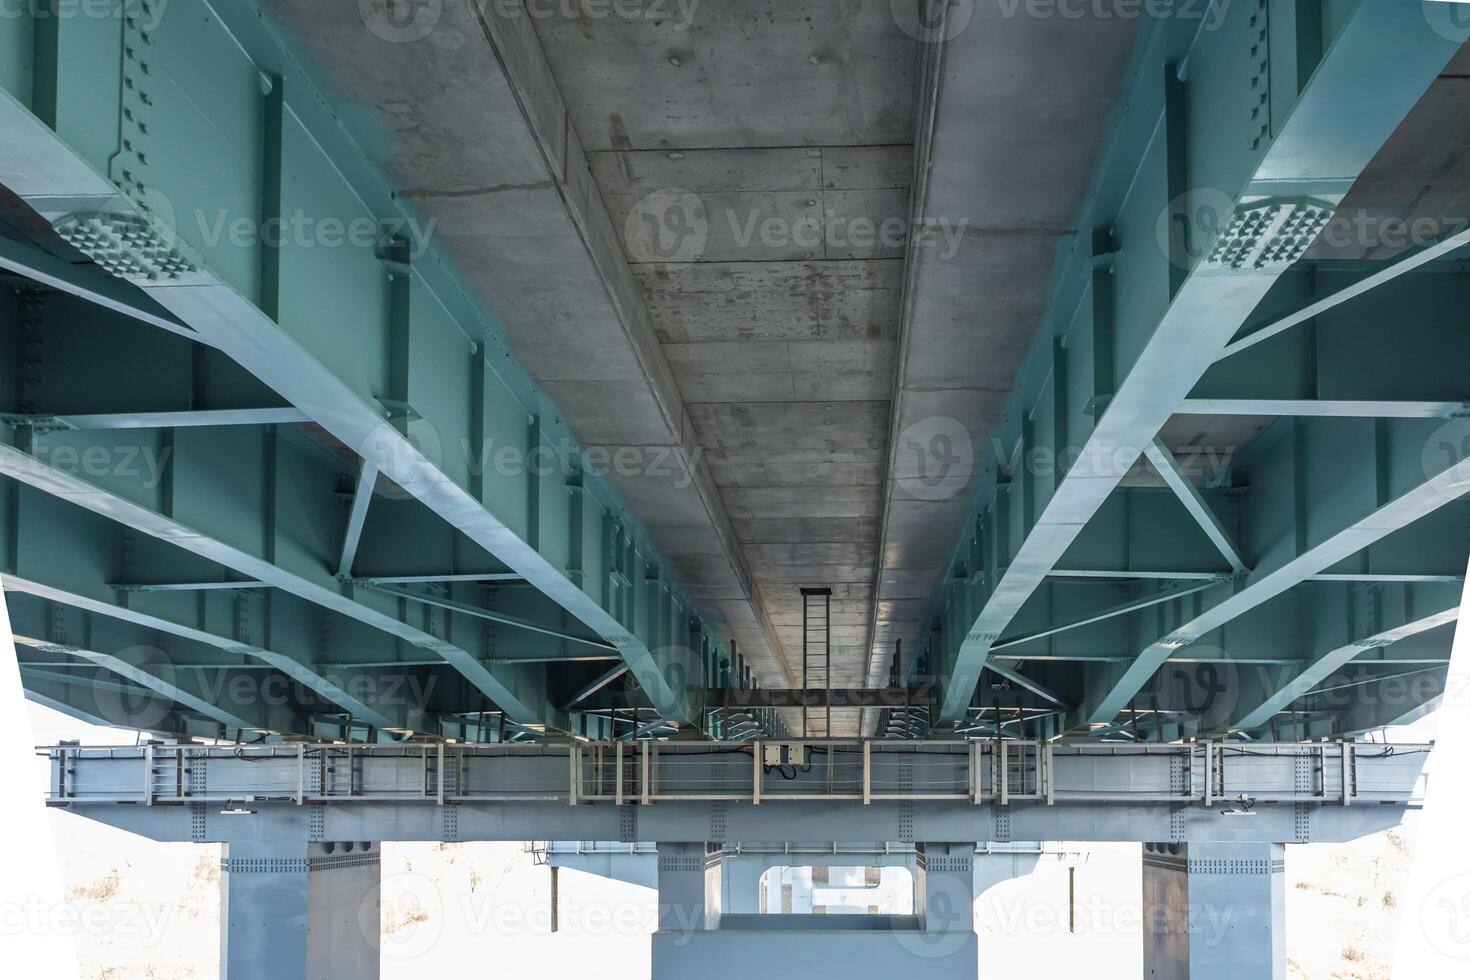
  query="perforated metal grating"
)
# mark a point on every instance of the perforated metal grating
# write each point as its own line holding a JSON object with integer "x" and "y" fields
{"x": 717, "y": 824}
{"x": 198, "y": 823}
{"x": 450, "y": 822}
{"x": 1235, "y": 866}
{"x": 680, "y": 862}
{"x": 316, "y": 822}
{"x": 1275, "y": 233}
{"x": 125, "y": 246}
{"x": 958, "y": 865}
{"x": 627, "y": 824}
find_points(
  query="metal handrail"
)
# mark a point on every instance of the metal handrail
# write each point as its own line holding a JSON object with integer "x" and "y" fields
{"x": 867, "y": 771}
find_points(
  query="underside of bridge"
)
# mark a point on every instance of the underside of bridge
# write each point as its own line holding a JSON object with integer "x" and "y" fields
{"x": 412, "y": 372}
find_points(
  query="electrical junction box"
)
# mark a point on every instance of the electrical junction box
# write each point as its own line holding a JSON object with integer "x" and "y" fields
{"x": 784, "y": 754}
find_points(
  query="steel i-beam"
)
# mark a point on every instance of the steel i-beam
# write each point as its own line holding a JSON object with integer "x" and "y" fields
{"x": 127, "y": 179}
{"x": 1167, "y": 316}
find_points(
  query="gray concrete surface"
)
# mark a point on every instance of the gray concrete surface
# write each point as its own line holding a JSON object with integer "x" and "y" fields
{"x": 1013, "y": 112}
{"x": 790, "y": 124}
{"x": 792, "y": 330}
{"x": 473, "y": 131}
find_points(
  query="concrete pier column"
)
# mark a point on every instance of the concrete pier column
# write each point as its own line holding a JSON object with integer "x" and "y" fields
{"x": 698, "y": 937}
{"x": 1214, "y": 911}
{"x": 946, "y": 888}
{"x": 688, "y": 889}
{"x": 740, "y": 883}
{"x": 299, "y": 911}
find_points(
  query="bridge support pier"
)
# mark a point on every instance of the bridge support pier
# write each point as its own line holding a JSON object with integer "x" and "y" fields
{"x": 299, "y": 911}
{"x": 1214, "y": 911}
{"x": 697, "y": 936}
{"x": 688, "y": 890}
{"x": 740, "y": 880}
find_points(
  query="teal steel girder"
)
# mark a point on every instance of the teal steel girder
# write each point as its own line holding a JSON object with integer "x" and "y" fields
{"x": 1280, "y": 642}
{"x": 1316, "y": 634}
{"x": 1346, "y": 622}
{"x": 1382, "y": 704}
{"x": 1254, "y": 674}
{"x": 78, "y": 698}
{"x": 91, "y": 284}
{"x": 1253, "y": 124}
{"x": 178, "y": 686}
{"x": 1322, "y": 492}
{"x": 251, "y": 502}
{"x": 61, "y": 553}
{"x": 177, "y": 129}
{"x": 508, "y": 658}
{"x": 1166, "y": 464}
{"x": 1392, "y": 352}
{"x": 1347, "y": 290}
{"x": 248, "y": 649}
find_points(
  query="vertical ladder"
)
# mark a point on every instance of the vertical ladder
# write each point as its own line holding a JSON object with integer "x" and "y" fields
{"x": 816, "y": 653}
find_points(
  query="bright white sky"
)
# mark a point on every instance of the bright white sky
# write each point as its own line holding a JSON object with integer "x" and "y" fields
{"x": 27, "y": 852}
{"x": 1434, "y": 940}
